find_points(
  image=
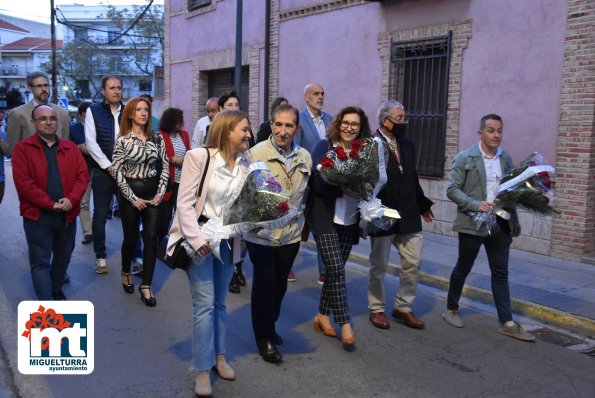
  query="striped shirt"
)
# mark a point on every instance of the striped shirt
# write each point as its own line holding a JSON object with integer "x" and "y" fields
{"x": 135, "y": 158}
{"x": 179, "y": 150}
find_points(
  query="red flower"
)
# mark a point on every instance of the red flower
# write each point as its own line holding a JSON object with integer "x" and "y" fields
{"x": 327, "y": 163}
{"x": 354, "y": 154}
{"x": 545, "y": 179}
{"x": 283, "y": 207}
{"x": 340, "y": 153}
{"x": 355, "y": 145}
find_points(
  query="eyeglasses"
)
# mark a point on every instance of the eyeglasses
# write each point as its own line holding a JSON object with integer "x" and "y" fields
{"x": 399, "y": 119}
{"x": 41, "y": 86}
{"x": 354, "y": 125}
{"x": 44, "y": 119}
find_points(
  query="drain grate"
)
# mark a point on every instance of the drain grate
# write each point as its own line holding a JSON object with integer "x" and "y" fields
{"x": 557, "y": 338}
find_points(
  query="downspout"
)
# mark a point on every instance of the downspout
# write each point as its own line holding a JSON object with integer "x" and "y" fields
{"x": 267, "y": 56}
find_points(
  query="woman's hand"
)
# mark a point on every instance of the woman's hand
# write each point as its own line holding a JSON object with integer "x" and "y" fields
{"x": 363, "y": 232}
{"x": 140, "y": 204}
{"x": 177, "y": 160}
{"x": 156, "y": 200}
{"x": 204, "y": 249}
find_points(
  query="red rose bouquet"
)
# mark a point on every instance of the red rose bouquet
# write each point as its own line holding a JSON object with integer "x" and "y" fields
{"x": 355, "y": 170}
{"x": 361, "y": 169}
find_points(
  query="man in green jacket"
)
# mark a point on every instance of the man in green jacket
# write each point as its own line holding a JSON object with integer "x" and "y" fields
{"x": 472, "y": 186}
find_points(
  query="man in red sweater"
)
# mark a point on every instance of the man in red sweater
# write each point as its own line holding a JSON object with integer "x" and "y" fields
{"x": 51, "y": 177}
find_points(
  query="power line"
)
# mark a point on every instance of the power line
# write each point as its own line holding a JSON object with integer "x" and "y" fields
{"x": 64, "y": 21}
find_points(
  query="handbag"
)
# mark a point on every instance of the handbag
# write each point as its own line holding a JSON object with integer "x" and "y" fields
{"x": 180, "y": 259}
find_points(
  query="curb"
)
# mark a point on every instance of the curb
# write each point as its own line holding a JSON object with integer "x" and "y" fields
{"x": 541, "y": 313}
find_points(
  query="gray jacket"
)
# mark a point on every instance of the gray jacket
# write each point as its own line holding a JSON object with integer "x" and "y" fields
{"x": 467, "y": 187}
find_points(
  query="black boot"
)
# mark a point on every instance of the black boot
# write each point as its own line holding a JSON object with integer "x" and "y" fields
{"x": 240, "y": 274}
{"x": 234, "y": 285}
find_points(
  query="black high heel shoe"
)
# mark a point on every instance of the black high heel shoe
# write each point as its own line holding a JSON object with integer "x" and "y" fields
{"x": 149, "y": 302}
{"x": 129, "y": 285}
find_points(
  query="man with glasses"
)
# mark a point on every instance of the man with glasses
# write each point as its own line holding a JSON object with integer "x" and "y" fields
{"x": 51, "y": 177}
{"x": 403, "y": 193}
{"x": 19, "y": 121}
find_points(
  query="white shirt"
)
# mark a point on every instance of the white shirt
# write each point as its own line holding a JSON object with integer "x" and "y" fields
{"x": 91, "y": 137}
{"x": 222, "y": 183}
{"x": 318, "y": 123}
{"x": 198, "y": 137}
{"x": 346, "y": 210}
{"x": 493, "y": 172}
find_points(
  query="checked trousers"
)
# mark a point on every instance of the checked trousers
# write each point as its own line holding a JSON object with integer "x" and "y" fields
{"x": 334, "y": 248}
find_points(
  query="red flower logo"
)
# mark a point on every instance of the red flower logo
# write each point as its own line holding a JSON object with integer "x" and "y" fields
{"x": 283, "y": 207}
{"x": 341, "y": 153}
{"x": 43, "y": 319}
{"x": 327, "y": 163}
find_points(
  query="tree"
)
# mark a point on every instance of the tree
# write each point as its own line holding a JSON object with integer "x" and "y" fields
{"x": 126, "y": 42}
{"x": 12, "y": 95}
{"x": 146, "y": 38}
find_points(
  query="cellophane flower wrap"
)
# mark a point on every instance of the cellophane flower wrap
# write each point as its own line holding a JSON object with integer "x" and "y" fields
{"x": 257, "y": 201}
{"x": 527, "y": 186}
{"x": 362, "y": 169}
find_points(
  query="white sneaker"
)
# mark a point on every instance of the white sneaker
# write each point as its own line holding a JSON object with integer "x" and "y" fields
{"x": 453, "y": 319}
{"x": 101, "y": 266}
{"x": 137, "y": 266}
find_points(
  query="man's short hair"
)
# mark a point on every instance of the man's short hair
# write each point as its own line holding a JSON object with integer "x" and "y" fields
{"x": 212, "y": 99}
{"x": 38, "y": 106}
{"x": 286, "y": 108}
{"x": 386, "y": 107}
{"x": 104, "y": 80}
{"x": 83, "y": 106}
{"x": 491, "y": 116}
{"x": 34, "y": 75}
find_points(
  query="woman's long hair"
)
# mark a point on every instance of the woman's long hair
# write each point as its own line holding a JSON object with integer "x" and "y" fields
{"x": 223, "y": 123}
{"x": 333, "y": 132}
{"x": 126, "y": 120}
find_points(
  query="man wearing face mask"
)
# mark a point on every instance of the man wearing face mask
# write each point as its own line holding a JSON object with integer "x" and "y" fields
{"x": 403, "y": 193}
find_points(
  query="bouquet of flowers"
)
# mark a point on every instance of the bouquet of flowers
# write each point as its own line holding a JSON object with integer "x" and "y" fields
{"x": 527, "y": 186}
{"x": 354, "y": 170}
{"x": 362, "y": 169}
{"x": 257, "y": 201}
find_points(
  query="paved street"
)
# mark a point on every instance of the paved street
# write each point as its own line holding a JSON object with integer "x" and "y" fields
{"x": 145, "y": 352}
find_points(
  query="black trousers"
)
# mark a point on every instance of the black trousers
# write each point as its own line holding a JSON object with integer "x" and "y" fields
{"x": 271, "y": 267}
{"x": 131, "y": 216}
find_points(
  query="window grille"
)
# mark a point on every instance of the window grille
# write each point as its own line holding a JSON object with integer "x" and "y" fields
{"x": 194, "y": 4}
{"x": 222, "y": 80}
{"x": 419, "y": 80}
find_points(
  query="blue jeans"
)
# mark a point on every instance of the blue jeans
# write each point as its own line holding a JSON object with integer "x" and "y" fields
{"x": 497, "y": 247}
{"x": 50, "y": 241}
{"x": 209, "y": 278}
{"x": 104, "y": 187}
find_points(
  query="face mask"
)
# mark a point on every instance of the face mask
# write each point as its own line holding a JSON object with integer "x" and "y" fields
{"x": 398, "y": 130}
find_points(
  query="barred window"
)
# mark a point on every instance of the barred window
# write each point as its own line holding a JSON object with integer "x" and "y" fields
{"x": 222, "y": 80}
{"x": 194, "y": 4}
{"x": 419, "y": 80}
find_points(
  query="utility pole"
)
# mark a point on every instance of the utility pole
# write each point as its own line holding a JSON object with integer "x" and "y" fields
{"x": 54, "y": 79}
{"x": 238, "y": 63}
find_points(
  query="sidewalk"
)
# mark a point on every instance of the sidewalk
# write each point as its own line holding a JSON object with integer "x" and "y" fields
{"x": 547, "y": 289}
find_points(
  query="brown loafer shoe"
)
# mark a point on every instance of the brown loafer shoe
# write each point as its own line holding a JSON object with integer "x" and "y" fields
{"x": 408, "y": 318}
{"x": 379, "y": 320}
